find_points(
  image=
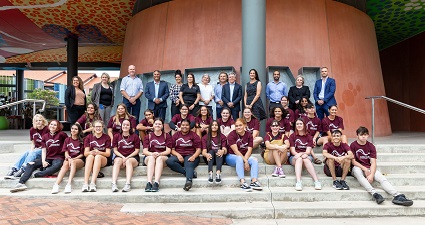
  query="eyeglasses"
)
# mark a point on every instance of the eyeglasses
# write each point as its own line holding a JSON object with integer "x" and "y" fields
{"x": 275, "y": 125}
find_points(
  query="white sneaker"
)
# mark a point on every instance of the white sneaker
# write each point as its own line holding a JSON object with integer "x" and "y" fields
{"x": 85, "y": 188}
{"x": 67, "y": 189}
{"x": 114, "y": 187}
{"x": 317, "y": 185}
{"x": 299, "y": 186}
{"x": 55, "y": 189}
{"x": 19, "y": 187}
{"x": 127, "y": 188}
{"x": 92, "y": 187}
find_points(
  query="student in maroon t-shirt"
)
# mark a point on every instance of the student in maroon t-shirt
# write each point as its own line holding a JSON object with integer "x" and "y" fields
{"x": 330, "y": 123}
{"x": 186, "y": 148}
{"x": 87, "y": 119}
{"x": 97, "y": 149}
{"x": 338, "y": 157}
{"x": 175, "y": 122}
{"x": 301, "y": 147}
{"x": 146, "y": 125}
{"x": 52, "y": 156}
{"x": 214, "y": 148}
{"x": 252, "y": 126}
{"x": 74, "y": 158}
{"x": 364, "y": 169}
{"x": 290, "y": 114}
{"x": 301, "y": 111}
{"x": 156, "y": 148}
{"x": 227, "y": 124}
{"x": 126, "y": 147}
{"x": 38, "y": 129}
{"x": 114, "y": 124}
{"x": 314, "y": 128}
{"x": 203, "y": 121}
{"x": 240, "y": 149}
{"x": 279, "y": 114}
{"x": 277, "y": 149}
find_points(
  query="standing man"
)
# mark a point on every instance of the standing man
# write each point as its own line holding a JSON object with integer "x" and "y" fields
{"x": 132, "y": 89}
{"x": 157, "y": 93}
{"x": 218, "y": 90}
{"x": 324, "y": 93}
{"x": 275, "y": 90}
{"x": 232, "y": 95}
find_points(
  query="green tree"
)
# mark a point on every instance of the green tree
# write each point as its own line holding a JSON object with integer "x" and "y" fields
{"x": 47, "y": 95}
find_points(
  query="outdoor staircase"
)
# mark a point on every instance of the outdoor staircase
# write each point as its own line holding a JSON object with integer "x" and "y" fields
{"x": 403, "y": 165}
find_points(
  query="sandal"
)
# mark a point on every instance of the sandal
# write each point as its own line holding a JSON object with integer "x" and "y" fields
{"x": 317, "y": 161}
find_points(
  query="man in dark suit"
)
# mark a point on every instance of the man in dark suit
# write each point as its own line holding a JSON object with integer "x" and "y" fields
{"x": 324, "y": 93}
{"x": 232, "y": 96}
{"x": 157, "y": 93}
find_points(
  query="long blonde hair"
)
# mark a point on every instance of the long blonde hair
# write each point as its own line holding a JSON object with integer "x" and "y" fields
{"x": 127, "y": 115}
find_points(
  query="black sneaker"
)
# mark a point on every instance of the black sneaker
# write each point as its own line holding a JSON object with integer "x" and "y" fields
{"x": 19, "y": 173}
{"x": 337, "y": 185}
{"x": 402, "y": 200}
{"x": 378, "y": 198}
{"x": 148, "y": 187}
{"x": 187, "y": 185}
{"x": 195, "y": 174}
{"x": 155, "y": 187}
{"x": 100, "y": 175}
{"x": 344, "y": 185}
{"x": 246, "y": 187}
{"x": 210, "y": 178}
{"x": 11, "y": 171}
{"x": 256, "y": 186}
{"x": 218, "y": 178}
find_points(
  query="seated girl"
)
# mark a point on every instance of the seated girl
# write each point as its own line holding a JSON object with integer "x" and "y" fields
{"x": 276, "y": 153}
{"x": 214, "y": 148}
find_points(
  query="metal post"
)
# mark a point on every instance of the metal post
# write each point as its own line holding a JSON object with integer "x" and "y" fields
{"x": 19, "y": 89}
{"x": 373, "y": 120}
{"x": 72, "y": 58}
{"x": 33, "y": 109}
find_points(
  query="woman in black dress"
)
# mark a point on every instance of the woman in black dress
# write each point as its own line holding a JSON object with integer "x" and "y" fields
{"x": 297, "y": 92}
{"x": 190, "y": 94}
{"x": 252, "y": 97}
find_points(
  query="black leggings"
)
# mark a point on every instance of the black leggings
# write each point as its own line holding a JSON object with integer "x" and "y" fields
{"x": 214, "y": 161}
{"x": 54, "y": 166}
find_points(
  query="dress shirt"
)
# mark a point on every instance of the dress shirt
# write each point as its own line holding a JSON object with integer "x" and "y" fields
{"x": 218, "y": 90}
{"x": 131, "y": 85}
{"x": 231, "y": 87}
{"x": 322, "y": 90}
{"x": 275, "y": 91}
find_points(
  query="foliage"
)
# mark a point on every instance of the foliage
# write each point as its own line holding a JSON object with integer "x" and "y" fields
{"x": 47, "y": 95}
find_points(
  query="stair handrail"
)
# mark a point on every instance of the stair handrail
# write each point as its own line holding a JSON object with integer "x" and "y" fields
{"x": 389, "y": 100}
{"x": 25, "y": 101}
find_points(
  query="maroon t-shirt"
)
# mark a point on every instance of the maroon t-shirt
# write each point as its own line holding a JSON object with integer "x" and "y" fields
{"x": 331, "y": 125}
{"x": 53, "y": 145}
{"x": 284, "y": 125}
{"x": 36, "y": 135}
{"x": 337, "y": 151}
{"x": 145, "y": 123}
{"x": 186, "y": 144}
{"x": 252, "y": 125}
{"x": 73, "y": 147}
{"x": 177, "y": 119}
{"x": 199, "y": 120}
{"x": 279, "y": 135}
{"x": 290, "y": 116}
{"x": 126, "y": 145}
{"x": 157, "y": 143}
{"x": 116, "y": 128}
{"x": 298, "y": 114}
{"x": 242, "y": 142}
{"x": 85, "y": 124}
{"x": 313, "y": 125}
{"x": 363, "y": 153}
{"x": 300, "y": 142}
{"x": 100, "y": 144}
{"x": 215, "y": 144}
{"x": 223, "y": 124}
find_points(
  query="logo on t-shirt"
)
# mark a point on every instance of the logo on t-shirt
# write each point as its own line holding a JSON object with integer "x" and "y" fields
{"x": 361, "y": 154}
{"x": 251, "y": 130}
{"x": 54, "y": 143}
{"x": 125, "y": 143}
{"x": 72, "y": 148}
{"x": 97, "y": 146}
{"x": 183, "y": 142}
{"x": 157, "y": 144}
{"x": 242, "y": 145}
{"x": 332, "y": 126}
{"x": 36, "y": 137}
{"x": 336, "y": 153}
{"x": 311, "y": 125}
{"x": 300, "y": 144}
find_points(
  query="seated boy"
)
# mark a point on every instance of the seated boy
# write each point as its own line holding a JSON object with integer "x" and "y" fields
{"x": 365, "y": 171}
{"x": 338, "y": 160}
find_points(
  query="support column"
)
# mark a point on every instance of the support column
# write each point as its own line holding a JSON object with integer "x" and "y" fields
{"x": 19, "y": 88}
{"x": 254, "y": 43}
{"x": 72, "y": 57}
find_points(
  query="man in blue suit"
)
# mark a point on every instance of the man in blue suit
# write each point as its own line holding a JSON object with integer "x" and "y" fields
{"x": 324, "y": 93}
{"x": 157, "y": 93}
{"x": 232, "y": 96}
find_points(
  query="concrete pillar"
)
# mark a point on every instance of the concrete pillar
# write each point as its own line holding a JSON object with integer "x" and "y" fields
{"x": 72, "y": 58}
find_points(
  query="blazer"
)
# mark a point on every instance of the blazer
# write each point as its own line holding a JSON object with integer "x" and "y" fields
{"x": 295, "y": 94}
{"x": 330, "y": 88}
{"x": 95, "y": 94}
{"x": 70, "y": 97}
{"x": 237, "y": 96}
{"x": 163, "y": 94}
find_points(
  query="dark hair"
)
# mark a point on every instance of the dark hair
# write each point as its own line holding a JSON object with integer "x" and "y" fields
{"x": 96, "y": 115}
{"x": 59, "y": 126}
{"x": 178, "y": 72}
{"x": 156, "y": 71}
{"x": 275, "y": 121}
{"x": 256, "y": 74}
{"x": 252, "y": 114}
{"x": 230, "y": 112}
{"x": 336, "y": 132}
{"x": 305, "y": 127}
{"x": 222, "y": 72}
{"x": 209, "y": 135}
{"x": 185, "y": 120}
{"x": 284, "y": 112}
{"x": 199, "y": 111}
{"x": 193, "y": 76}
{"x": 162, "y": 121}
{"x": 131, "y": 130}
{"x": 80, "y": 134}
{"x": 184, "y": 105}
{"x": 309, "y": 106}
{"x": 332, "y": 106}
{"x": 149, "y": 110}
{"x": 300, "y": 107}
{"x": 362, "y": 130}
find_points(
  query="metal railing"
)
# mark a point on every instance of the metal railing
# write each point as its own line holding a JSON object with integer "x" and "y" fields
{"x": 390, "y": 100}
{"x": 25, "y": 101}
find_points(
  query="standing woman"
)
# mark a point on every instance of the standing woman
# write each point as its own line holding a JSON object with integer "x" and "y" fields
{"x": 252, "y": 97}
{"x": 115, "y": 123}
{"x": 156, "y": 148}
{"x": 297, "y": 92}
{"x": 74, "y": 158}
{"x": 214, "y": 148}
{"x": 190, "y": 94}
{"x": 186, "y": 147}
{"x": 240, "y": 142}
{"x": 227, "y": 124}
{"x": 87, "y": 119}
{"x": 207, "y": 93}
{"x": 75, "y": 100}
{"x": 252, "y": 126}
{"x": 203, "y": 121}
{"x": 126, "y": 147}
{"x": 103, "y": 96}
{"x": 276, "y": 153}
{"x": 174, "y": 93}
{"x": 97, "y": 149}
{"x": 290, "y": 114}
{"x": 52, "y": 156}
{"x": 301, "y": 146}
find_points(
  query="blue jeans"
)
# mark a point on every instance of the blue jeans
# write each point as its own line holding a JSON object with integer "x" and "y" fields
{"x": 237, "y": 161}
{"x": 133, "y": 109}
{"x": 28, "y": 156}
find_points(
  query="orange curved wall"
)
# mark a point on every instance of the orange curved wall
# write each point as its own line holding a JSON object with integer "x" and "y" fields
{"x": 192, "y": 34}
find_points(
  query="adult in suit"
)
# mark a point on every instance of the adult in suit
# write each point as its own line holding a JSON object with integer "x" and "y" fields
{"x": 75, "y": 99}
{"x": 297, "y": 92}
{"x": 103, "y": 96}
{"x": 157, "y": 93}
{"x": 324, "y": 93}
{"x": 232, "y": 95}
